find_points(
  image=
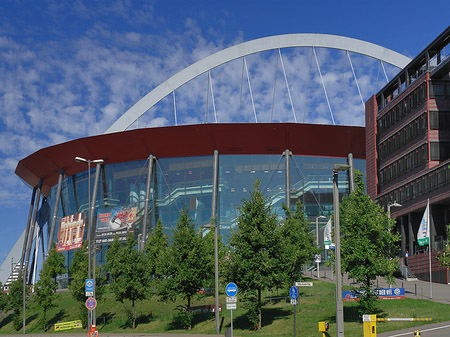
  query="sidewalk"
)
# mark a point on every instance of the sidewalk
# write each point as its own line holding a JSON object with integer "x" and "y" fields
{"x": 110, "y": 334}
{"x": 413, "y": 289}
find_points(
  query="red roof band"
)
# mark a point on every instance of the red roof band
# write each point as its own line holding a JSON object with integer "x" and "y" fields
{"x": 189, "y": 141}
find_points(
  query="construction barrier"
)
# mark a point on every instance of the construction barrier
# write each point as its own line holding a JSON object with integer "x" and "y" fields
{"x": 370, "y": 323}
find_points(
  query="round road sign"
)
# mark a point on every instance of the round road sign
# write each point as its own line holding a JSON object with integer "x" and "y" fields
{"x": 231, "y": 289}
{"x": 91, "y": 303}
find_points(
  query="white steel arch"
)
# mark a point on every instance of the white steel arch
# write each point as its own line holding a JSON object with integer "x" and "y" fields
{"x": 251, "y": 47}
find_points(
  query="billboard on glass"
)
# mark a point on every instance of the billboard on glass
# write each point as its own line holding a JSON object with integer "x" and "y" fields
{"x": 114, "y": 221}
{"x": 70, "y": 232}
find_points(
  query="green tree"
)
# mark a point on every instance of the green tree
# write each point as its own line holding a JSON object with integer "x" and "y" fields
{"x": 255, "y": 248}
{"x": 3, "y": 299}
{"x": 444, "y": 256}
{"x": 15, "y": 301}
{"x": 79, "y": 273}
{"x": 129, "y": 273}
{"x": 369, "y": 244}
{"x": 298, "y": 244}
{"x": 46, "y": 287}
{"x": 155, "y": 246}
{"x": 183, "y": 264}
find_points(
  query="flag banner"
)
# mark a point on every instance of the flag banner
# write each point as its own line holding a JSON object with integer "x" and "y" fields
{"x": 423, "y": 234}
{"x": 70, "y": 232}
{"x": 327, "y": 234}
{"x": 114, "y": 221}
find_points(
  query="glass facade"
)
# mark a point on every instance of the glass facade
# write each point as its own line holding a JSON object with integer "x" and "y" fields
{"x": 180, "y": 183}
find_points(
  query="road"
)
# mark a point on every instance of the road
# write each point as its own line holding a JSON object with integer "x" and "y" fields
{"x": 430, "y": 330}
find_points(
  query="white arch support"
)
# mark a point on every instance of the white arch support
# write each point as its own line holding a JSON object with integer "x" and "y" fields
{"x": 251, "y": 47}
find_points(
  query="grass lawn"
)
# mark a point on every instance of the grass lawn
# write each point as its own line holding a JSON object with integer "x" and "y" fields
{"x": 317, "y": 304}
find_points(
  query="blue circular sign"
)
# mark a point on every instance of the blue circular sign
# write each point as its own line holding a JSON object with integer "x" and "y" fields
{"x": 293, "y": 293}
{"x": 231, "y": 289}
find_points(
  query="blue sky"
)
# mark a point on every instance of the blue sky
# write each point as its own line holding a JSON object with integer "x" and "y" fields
{"x": 70, "y": 69}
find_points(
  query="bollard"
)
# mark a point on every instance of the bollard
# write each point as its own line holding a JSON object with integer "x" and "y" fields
{"x": 417, "y": 333}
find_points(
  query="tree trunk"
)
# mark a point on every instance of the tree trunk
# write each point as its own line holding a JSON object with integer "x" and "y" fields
{"x": 134, "y": 316}
{"x": 259, "y": 309}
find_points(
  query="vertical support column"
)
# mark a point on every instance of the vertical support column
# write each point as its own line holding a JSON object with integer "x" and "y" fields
{"x": 28, "y": 249}
{"x": 403, "y": 237}
{"x": 411, "y": 235}
{"x": 27, "y": 230}
{"x": 55, "y": 212}
{"x": 216, "y": 230}
{"x": 351, "y": 175}
{"x": 287, "y": 155}
{"x": 147, "y": 199}
{"x": 92, "y": 227}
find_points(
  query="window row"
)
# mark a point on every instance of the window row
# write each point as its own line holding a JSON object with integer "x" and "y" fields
{"x": 439, "y": 89}
{"x": 404, "y": 136}
{"x": 439, "y": 151}
{"x": 410, "y": 161}
{"x": 404, "y": 107}
{"x": 440, "y": 120}
{"x": 434, "y": 180}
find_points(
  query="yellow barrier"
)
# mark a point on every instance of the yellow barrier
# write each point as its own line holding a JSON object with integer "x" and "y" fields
{"x": 68, "y": 325}
{"x": 370, "y": 323}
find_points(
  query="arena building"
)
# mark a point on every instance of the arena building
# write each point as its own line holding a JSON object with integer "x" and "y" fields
{"x": 133, "y": 177}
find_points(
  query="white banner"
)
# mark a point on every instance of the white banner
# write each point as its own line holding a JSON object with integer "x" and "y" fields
{"x": 423, "y": 234}
{"x": 327, "y": 233}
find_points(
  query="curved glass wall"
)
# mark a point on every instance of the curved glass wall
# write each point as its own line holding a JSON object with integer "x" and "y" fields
{"x": 187, "y": 183}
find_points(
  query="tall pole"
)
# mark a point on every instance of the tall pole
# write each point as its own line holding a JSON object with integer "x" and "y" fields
{"x": 89, "y": 237}
{"x": 147, "y": 199}
{"x": 317, "y": 241}
{"x": 216, "y": 229}
{"x": 337, "y": 234}
{"x": 429, "y": 245}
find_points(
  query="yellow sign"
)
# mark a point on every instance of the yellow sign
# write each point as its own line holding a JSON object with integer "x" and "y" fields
{"x": 68, "y": 325}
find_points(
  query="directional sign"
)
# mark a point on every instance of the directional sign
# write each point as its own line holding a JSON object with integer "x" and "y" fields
{"x": 89, "y": 287}
{"x": 231, "y": 289}
{"x": 294, "y": 302}
{"x": 293, "y": 293}
{"x": 91, "y": 303}
{"x": 303, "y": 284}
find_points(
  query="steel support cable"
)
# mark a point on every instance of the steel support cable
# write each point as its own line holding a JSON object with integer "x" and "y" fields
{"x": 303, "y": 176}
{"x": 274, "y": 88}
{"x": 212, "y": 96}
{"x": 356, "y": 80}
{"x": 384, "y": 70}
{"x": 307, "y": 85}
{"x": 378, "y": 75}
{"x": 207, "y": 103}
{"x": 287, "y": 85}
{"x": 174, "y": 108}
{"x": 242, "y": 85}
{"x": 251, "y": 92}
{"x": 323, "y": 84}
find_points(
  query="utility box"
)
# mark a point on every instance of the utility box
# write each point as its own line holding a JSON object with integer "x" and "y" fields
{"x": 324, "y": 326}
{"x": 370, "y": 325}
{"x": 93, "y": 332}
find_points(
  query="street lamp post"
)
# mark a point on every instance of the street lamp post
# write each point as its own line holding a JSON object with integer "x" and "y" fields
{"x": 317, "y": 240}
{"x": 337, "y": 234}
{"x": 91, "y": 313}
{"x": 392, "y": 204}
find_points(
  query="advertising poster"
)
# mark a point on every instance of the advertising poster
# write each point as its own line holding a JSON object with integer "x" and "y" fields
{"x": 114, "y": 221}
{"x": 70, "y": 232}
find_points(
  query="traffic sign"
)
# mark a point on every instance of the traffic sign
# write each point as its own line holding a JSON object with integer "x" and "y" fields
{"x": 294, "y": 302}
{"x": 231, "y": 306}
{"x": 232, "y": 299}
{"x": 231, "y": 289}
{"x": 89, "y": 287}
{"x": 293, "y": 293}
{"x": 91, "y": 303}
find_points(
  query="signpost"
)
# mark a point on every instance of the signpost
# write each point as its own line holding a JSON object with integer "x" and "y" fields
{"x": 89, "y": 287}
{"x": 231, "y": 291}
{"x": 293, "y": 294}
